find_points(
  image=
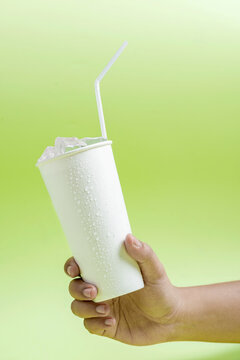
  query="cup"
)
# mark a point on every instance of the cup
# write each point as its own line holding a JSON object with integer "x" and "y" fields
{"x": 86, "y": 193}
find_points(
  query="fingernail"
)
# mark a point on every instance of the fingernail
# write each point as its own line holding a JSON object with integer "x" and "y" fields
{"x": 108, "y": 322}
{"x": 101, "y": 309}
{"x": 136, "y": 243}
{"x": 88, "y": 292}
{"x": 70, "y": 270}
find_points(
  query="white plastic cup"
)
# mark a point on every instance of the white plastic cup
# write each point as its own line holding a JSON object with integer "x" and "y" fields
{"x": 86, "y": 193}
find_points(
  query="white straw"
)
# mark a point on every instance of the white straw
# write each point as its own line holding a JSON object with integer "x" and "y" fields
{"x": 97, "y": 89}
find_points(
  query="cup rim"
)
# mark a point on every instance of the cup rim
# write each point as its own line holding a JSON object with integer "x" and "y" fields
{"x": 74, "y": 152}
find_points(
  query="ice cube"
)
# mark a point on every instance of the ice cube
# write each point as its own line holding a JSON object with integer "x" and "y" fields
{"x": 48, "y": 153}
{"x": 92, "y": 140}
{"x": 65, "y": 144}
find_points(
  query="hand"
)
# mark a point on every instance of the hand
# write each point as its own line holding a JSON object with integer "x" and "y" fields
{"x": 144, "y": 317}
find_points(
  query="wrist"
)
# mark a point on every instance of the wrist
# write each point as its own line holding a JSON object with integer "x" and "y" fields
{"x": 207, "y": 313}
{"x": 180, "y": 328}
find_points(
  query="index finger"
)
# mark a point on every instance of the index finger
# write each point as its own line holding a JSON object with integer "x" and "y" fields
{"x": 71, "y": 268}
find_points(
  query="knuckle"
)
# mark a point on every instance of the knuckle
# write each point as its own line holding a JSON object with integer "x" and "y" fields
{"x": 73, "y": 307}
{"x": 89, "y": 326}
{"x": 86, "y": 325}
{"x": 71, "y": 287}
{"x": 161, "y": 268}
{"x": 148, "y": 250}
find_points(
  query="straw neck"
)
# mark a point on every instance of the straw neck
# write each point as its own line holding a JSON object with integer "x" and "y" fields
{"x": 100, "y": 109}
{"x": 97, "y": 89}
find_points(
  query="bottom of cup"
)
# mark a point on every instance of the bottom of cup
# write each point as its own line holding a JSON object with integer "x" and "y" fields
{"x": 105, "y": 298}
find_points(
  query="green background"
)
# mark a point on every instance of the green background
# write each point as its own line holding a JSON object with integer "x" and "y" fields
{"x": 171, "y": 104}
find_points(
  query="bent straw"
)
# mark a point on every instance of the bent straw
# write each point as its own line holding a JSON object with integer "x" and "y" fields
{"x": 97, "y": 88}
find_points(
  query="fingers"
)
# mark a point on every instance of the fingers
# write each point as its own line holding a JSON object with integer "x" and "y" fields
{"x": 151, "y": 268}
{"x": 80, "y": 290}
{"x": 98, "y": 326}
{"x": 71, "y": 267}
{"x": 88, "y": 309}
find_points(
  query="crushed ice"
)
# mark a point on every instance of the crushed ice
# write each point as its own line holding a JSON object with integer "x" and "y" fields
{"x": 65, "y": 144}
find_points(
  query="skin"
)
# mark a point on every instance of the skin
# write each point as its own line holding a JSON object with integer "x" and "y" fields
{"x": 159, "y": 312}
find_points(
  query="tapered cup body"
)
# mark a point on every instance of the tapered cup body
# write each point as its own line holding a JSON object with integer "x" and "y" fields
{"x": 87, "y": 196}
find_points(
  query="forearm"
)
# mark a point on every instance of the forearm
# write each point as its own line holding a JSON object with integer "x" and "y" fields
{"x": 209, "y": 313}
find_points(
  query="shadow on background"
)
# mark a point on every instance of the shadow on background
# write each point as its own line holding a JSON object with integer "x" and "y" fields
{"x": 232, "y": 355}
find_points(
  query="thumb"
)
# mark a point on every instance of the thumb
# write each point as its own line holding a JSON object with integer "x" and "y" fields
{"x": 151, "y": 268}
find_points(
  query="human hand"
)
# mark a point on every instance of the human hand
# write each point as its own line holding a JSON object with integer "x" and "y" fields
{"x": 143, "y": 317}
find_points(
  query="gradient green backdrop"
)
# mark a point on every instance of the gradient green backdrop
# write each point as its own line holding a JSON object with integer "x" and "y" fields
{"x": 172, "y": 109}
